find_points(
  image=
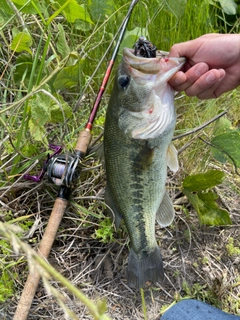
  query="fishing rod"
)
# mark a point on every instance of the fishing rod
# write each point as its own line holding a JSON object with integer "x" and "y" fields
{"x": 64, "y": 170}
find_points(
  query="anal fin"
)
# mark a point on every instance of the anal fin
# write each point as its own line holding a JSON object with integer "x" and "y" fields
{"x": 166, "y": 212}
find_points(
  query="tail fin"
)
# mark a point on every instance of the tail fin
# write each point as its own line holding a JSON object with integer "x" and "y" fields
{"x": 144, "y": 267}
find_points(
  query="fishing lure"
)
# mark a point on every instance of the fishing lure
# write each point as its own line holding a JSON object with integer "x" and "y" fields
{"x": 145, "y": 48}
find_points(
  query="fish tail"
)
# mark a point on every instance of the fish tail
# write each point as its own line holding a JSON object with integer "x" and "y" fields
{"x": 143, "y": 268}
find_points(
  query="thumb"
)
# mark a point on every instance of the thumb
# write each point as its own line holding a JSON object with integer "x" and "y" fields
{"x": 184, "y": 49}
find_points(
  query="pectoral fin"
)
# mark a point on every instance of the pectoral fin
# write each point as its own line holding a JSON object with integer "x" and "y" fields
{"x": 165, "y": 213}
{"x": 172, "y": 158}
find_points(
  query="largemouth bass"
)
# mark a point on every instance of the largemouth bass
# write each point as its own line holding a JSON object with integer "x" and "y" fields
{"x": 140, "y": 122}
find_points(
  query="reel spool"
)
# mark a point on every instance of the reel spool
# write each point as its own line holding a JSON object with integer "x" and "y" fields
{"x": 63, "y": 170}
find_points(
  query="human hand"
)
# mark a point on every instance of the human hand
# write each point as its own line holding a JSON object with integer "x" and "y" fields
{"x": 212, "y": 66}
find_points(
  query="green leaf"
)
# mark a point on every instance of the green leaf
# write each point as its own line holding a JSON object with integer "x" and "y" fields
{"x": 23, "y": 67}
{"x": 203, "y": 181}
{"x": 37, "y": 133}
{"x": 227, "y": 147}
{"x": 222, "y": 125}
{"x": 228, "y": 6}
{"x": 21, "y": 42}
{"x": 74, "y": 11}
{"x": 6, "y": 8}
{"x": 40, "y": 109}
{"x": 209, "y": 213}
{"x": 45, "y": 109}
{"x": 4, "y": 17}
{"x": 57, "y": 110}
{"x": 62, "y": 45}
{"x": 26, "y": 6}
{"x": 176, "y": 7}
{"x": 6, "y": 12}
{"x": 99, "y": 9}
{"x": 68, "y": 77}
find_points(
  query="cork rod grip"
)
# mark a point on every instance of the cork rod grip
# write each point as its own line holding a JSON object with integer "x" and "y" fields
{"x": 83, "y": 141}
{"x": 45, "y": 246}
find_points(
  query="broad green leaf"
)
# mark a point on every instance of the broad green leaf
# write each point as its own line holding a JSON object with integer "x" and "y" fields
{"x": 26, "y": 6}
{"x": 227, "y": 147}
{"x": 40, "y": 109}
{"x": 21, "y": 42}
{"x": 99, "y": 9}
{"x": 57, "y": 12}
{"x": 6, "y": 12}
{"x": 82, "y": 25}
{"x": 68, "y": 77}
{"x": 58, "y": 111}
{"x": 228, "y": 6}
{"x": 222, "y": 125}
{"x": 74, "y": 11}
{"x": 203, "y": 181}
{"x": 4, "y": 17}
{"x": 176, "y": 7}
{"x": 40, "y": 115}
{"x": 218, "y": 155}
{"x": 23, "y": 67}
{"x": 37, "y": 133}
{"x": 45, "y": 109}
{"x": 62, "y": 44}
{"x": 209, "y": 213}
{"x": 21, "y": 2}
{"x": 5, "y": 8}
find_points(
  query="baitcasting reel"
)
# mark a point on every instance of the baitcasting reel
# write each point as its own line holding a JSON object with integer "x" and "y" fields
{"x": 62, "y": 170}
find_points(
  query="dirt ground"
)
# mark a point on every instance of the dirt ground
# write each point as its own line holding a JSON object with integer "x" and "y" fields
{"x": 196, "y": 259}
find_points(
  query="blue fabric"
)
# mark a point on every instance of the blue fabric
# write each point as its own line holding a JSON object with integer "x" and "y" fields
{"x": 196, "y": 310}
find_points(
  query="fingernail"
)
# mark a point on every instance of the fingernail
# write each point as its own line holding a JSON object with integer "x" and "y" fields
{"x": 201, "y": 69}
{"x": 211, "y": 77}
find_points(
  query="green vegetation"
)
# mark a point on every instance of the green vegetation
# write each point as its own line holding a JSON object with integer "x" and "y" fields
{"x": 231, "y": 248}
{"x": 49, "y": 76}
{"x": 204, "y": 202}
{"x": 6, "y": 279}
{"x": 105, "y": 231}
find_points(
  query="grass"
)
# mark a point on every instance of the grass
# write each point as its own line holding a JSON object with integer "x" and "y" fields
{"x": 47, "y": 64}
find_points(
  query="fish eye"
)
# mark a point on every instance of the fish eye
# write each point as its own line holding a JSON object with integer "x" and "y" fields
{"x": 123, "y": 81}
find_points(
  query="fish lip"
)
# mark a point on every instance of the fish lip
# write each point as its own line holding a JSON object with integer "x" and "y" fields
{"x": 127, "y": 52}
{"x": 150, "y": 65}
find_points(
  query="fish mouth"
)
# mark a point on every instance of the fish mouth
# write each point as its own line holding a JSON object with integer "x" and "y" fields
{"x": 153, "y": 74}
{"x": 162, "y": 63}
